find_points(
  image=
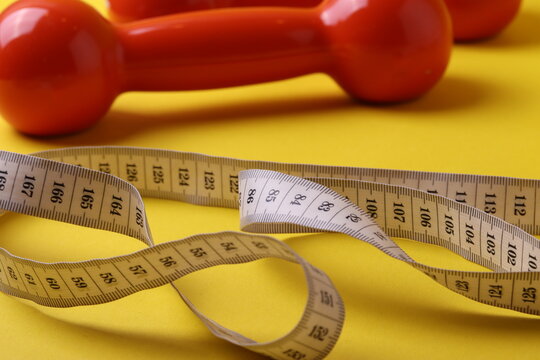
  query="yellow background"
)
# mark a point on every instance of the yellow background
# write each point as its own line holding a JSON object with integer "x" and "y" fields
{"x": 482, "y": 118}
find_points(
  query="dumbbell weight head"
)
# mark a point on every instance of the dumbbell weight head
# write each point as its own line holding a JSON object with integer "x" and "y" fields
{"x": 479, "y": 19}
{"x": 58, "y": 66}
{"x": 404, "y": 46}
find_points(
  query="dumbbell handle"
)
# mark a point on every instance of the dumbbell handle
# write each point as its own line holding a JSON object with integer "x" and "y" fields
{"x": 222, "y": 48}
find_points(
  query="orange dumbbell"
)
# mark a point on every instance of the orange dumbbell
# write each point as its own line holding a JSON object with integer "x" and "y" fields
{"x": 472, "y": 19}
{"x": 62, "y": 64}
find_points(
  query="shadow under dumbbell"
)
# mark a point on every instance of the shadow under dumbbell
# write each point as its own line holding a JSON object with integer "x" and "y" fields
{"x": 451, "y": 94}
{"x": 120, "y": 124}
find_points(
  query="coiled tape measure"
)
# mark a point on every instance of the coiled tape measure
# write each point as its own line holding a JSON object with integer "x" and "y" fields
{"x": 368, "y": 204}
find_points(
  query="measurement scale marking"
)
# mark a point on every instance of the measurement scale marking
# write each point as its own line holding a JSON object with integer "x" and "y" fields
{"x": 263, "y": 216}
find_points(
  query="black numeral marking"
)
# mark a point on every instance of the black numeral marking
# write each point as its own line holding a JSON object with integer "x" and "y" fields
{"x": 53, "y": 283}
{"x": 209, "y": 180}
{"x": 399, "y": 212}
{"x": 319, "y": 332}
{"x": 490, "y": 203}
{"x": 57, "y": 193}
{"x": 294, "y": 354}
{"x": 532, "y": 262}
{"x": 298, "y": 198}
{"x": 198, "y": 252}
{"x": 105, "y": 167}
{"x": 327, "y": 298}
{"x": 183, "y": 177}
{"x": 469, "y": 234}
{"x": 490, "y": 244}
{"x": 132, "y": 172}
{"x": 233, "y": 184}
{"x": 3, "y": 179}
{"x": 326, "y": 206}
{"x": 167, "y": 261}
{"x": 138, "y": 270}
{"x": 520, "y": 208}
{"x": 116, "y": 205}
{"x": 228, "y": 246}
{"x": 108, "y": 278}
{"x": 139, "y": 218}
{"x": 371, "y": 208}
{"x": 272, "y": 195}
{"x": 495, "y": 291}
{"x": 449, "y": 224}
{"x": 28, "y": 186}
{"x": 87, "y": 199}
{"x": 251, "y": 194}
{"x": 511, "y": 254}
{"x": 425, "y": 217}
{"x": 79, "y": 282}
{"x": 158, "y": 174}
{"x": 529, "y": 295}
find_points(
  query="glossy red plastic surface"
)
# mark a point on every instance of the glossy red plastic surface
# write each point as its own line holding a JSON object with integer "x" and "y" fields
{"x": 479, "y": 19}
{"x": 62, "y": 64}
{"x": 472, "y": 19}
{"x": 131, "y": 10}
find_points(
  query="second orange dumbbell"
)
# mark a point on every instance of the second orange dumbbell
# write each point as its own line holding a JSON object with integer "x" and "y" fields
{"x": 471, "y": 19}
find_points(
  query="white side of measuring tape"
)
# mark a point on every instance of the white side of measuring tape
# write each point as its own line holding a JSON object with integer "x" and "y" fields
{"x": 367, "y": 204}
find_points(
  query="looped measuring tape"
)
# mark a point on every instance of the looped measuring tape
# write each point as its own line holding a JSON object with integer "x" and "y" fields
{"x": 102, "y": 188}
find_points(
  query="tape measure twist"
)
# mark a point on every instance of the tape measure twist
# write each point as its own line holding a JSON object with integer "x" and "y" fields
{"x": 102, "y": 187}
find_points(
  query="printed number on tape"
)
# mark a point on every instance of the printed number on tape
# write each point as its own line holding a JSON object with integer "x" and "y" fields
{"x": 485, "y": 219}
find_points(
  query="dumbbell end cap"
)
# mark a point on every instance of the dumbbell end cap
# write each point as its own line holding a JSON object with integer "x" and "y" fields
{"x": 388, "y": 51}
{"x": 58, "y": 66}
{"x": 477, "y": 20}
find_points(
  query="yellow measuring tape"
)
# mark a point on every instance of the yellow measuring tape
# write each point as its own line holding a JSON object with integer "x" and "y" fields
{"x": 482, "y": 218}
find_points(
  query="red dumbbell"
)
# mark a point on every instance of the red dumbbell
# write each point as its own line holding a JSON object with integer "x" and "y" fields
{"x": 62, "y": 64}
{"x": 472, "y": 19}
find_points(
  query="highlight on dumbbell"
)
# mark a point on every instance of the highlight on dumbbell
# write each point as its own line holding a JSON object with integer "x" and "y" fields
{"x": 62, "y": 64}
{"x": 471, "y": 19}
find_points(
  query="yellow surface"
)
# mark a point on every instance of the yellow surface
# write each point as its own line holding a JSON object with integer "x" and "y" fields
{"x": 482, "y": 118}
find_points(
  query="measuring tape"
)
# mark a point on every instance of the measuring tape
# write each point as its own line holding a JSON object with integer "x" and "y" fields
{"x": 482, "y": 218}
